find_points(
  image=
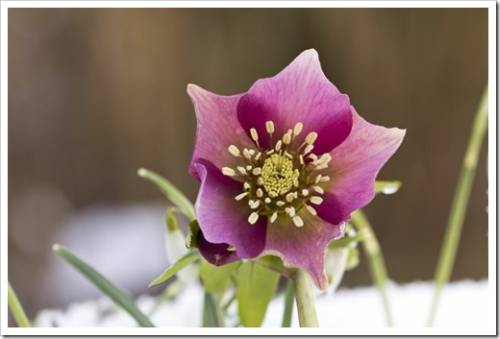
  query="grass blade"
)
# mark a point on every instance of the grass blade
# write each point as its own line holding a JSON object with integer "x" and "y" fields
{"x": 17, "y": 309}
{"x": 104, "y": 285}
{"x": 459, "y": 204}
{"x": 174, "y": 195}
{"x": 288, "y": 309}
{"x": 387, "y": 187}
{"x": 186, "y": 260}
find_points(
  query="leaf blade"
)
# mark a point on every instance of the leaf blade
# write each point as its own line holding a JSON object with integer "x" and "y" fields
{"x": 183, "y": 262}
{"x": 16, "y": 309}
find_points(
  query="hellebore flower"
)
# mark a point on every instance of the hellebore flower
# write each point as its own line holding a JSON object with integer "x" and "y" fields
{"x": 282, "y": 166}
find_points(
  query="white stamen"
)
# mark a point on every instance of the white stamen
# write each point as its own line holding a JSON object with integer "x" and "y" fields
{"x": 251, "y": 151}
{"x": 270, "y": 127}
{"x": 301, "y": 159}
{"x": 289, "y": 197}
{"x": 234, "y": 150}
{"x": 287, "y": 138}
{"x": 273, "y": 218}
{"x": 324, "y": 178}
{"x": 259, "y": 192}
{"x": 255, "y": 136}
{"x": 260, "y": 181}
{"x": 253, "y": 217}
{"x": 246, "y": 185}
{"x": 308, "y": 149}
{"x": 248, "y": 167}
{"x": 311, "y": 210}
{"x": 257, "y": 157}
{"x": 246, "y": 153}
{"x": 254, "y": 204}
{"x": 270, "y": 152}
{"x": 288, "y": 155}
{"x": 290, "y": 211}
{"x": 297, "y": 128}
{"x": 295, "y": 182}
{"x": 318, "y": 178}
{"x": 318, "y": 189}
{"x": 305, "y": 192}
{"x": 316, "y": 200}
{"x": 242, "y": 170}
{"x": 241, "y": 196}
{"x": 311, "y": 138}
{"x": 312, "y": 156}
{"x": 280, "y": 203}
{"x": 257, "y": 171}
{"x": 278, "y": 145}
{"x": 267, "y": 200}
{"x": 228, "y": 171}
{"x": 322, "y": 166}
{"x": 272, "y": 194}
{"x": 298, "y": 221}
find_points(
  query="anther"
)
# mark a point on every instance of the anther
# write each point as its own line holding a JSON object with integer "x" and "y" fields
{"x": 241, "y": 196}
{"x": 280, "y": 203}
{"x": 267, "y": 200}
{"x": 246, "y": 153}
{"x": 228, "y": 171}
{"x": 308, "y": 149}
{"x": 242, "y": 170}
{"x": 316, "y": 200}
{"x": 253, "y": 204}
{"x": 298, "y": 221}
{"x": 290, "y": 211}
{"x": 255, "y": 136}
{"x": 257, "y": 157}
{"x": 246, "y": 185}
{"x": 273, "y": 218}
{"x": 270, "y": 127}
{"x": 287, "y": 138}
{"x": 311, "y": 138}
{"x": 305, "y": 192}
{"x": 324, "y": 178}
{"x": 234, "y": 150}
{"x": 253, "y": 217}
{"x": 257, "y": 171}
{"x": 297, "y": 128}
{"x": 289, "y": 197}
{"x": 318, "y": 189}
{"x": 311, "y": 210}
{"x": 259, "y": 192}
{"x": 295, "y": 182}
{"x": 278, "y": 145}
{"x": 248, "y": 167}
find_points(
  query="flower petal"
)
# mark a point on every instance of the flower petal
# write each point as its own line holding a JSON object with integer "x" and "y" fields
{"x": 222, "y": 219}
{"x": 217, "y": 127}
{"x": 299, "y": 93}
{"x": 305, "y": 246}
{"x": 354, "y": 167}
{"x": 216, "y": 254}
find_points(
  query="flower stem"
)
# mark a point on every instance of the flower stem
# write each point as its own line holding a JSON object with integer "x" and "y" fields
{"x": 17, "y": 309}
{"x": 459, "y": 204}
{"x": 305, "y": 299}
{"x": 375, "y": 260}
{"x": 288, "y": 310}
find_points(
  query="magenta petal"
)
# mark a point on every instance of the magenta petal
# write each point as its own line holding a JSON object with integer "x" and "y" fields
{"x": 217, "y": 127}
{"x": 303, "y": 247}
{"x": 354, "y": 167}
{"x": 299, "y": 93}
{"x": 216, "y": 254}
{"x": 222, "y": 219}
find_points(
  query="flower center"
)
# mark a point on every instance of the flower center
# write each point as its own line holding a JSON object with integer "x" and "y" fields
{"x": 280, "y": 181}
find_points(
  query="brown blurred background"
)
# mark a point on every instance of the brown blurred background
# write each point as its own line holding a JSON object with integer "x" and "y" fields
{"x": 95, "y": 94}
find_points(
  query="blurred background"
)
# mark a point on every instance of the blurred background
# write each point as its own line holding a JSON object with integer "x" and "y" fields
{"x": 94, "y": 94}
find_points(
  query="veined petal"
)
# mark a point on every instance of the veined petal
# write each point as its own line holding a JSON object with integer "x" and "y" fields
{"x": 222, "y": 219}
{"x": 354, "y": 167}
{"x": 299, "y": 93}
{"x": 217, "y": 127}
{"x": 303, "y": 247}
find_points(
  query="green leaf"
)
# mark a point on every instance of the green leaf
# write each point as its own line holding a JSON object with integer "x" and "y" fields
{"x": 171, "y": 219}
{"x": 17, "y": 309}
{"x": 216, "y": 278}
{"x": 174, "y": 195}
{"x": 387, "y": 187}
{"x": 186, "y": 260}
{"x": 255, "y": 289}
{"x": 192, "y": 236}
{"x": 104, "y": 285}
{"x": 352, "y": 258}
{"x": 212, "y": 312}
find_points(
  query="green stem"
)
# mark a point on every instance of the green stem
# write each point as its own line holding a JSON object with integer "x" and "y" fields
{"x": 375, "y": 260}
{"x": 17, "y": 309}
{"x": 288, "y": 310}
{"x": 305, "y": 299}
{"x": 212, "y": 313}
{"x": 459, "y": 204}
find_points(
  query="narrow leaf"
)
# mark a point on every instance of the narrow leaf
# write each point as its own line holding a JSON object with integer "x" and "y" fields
{"x": 17, "y": 309}
{"x": 216, "y": 278}
{"x": 387, "y": 187}
{"x": 173, "y": 194}
{"x": 256, "y": 288}
{"x": 288, "y": 307}
{"x": 212, "y": 312}
{"x": 104, "y": 285}
{"x": 186, "y": 260}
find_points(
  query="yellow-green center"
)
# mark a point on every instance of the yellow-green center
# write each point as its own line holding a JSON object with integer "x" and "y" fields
{"x": 278, "y": 175}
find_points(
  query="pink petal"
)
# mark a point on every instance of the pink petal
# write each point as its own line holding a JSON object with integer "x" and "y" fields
{"x": 299, "y": 93}
{"x": 354, "y": 167}
{"x": 222, "y": 219}
{"x": 305, "y": 246}
{"x": 217, "y": 127}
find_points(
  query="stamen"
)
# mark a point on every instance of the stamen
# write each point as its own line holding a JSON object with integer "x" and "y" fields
{"x": 295, "y": 182}
{"x": 311, "y": 210}
{"x": 297, "y": 128}
{"x": 290, "y": 211}
{"x": 259, "y": 192}
{"x": 298, "y": 221}
{"x": 322, "y": 166}
{"x": 267, "y": 200}
{"x": 280, "y": 203}
{"x": 246, "y": 185}
{"x": 242, "y": 170}
{"x": 270, "y": 127}
{"x": 301, "y": 159}
{"x": 316, "y": 200}
{"x": 248, "y": 167}
{"x": 254, "y": 204}
{"x": 318, "y": 178}
{"x": 234, "y": 150}
{"x": 257, "y": 171}
{"x": 278, "y": 145}
{"x": 308, "y": 149}
{"x": 241, "y": 196}
{"x": 273, "y": 218}
{"x": 288, "y": 155}
{"x": 311, "y": 138}
{"x": 318, "y": 189}
{"x": 257, "y": 157}
{"x": 289, "y": 197}
{"x": 324, "y": 178}
{"x": 255, "y": 136}
{"x": 312, "y": 156}
{"x": 246, "y": 154}
{"x": 228, "y": 171}
{"x": 305, "y": 192}
{"x": 253, "y": 217}
{"x": 287, "y": 138}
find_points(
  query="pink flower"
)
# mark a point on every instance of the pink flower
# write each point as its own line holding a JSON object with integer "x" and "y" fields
{"x": 282, "y": 166}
